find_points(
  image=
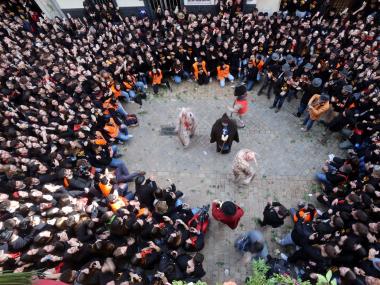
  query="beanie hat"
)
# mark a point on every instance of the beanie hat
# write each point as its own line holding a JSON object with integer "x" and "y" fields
{"x": 325, "y": 97}
{"x": 275, "y": 56}
{"x": 317, "y": 82}
{"x": 228, "y": 208}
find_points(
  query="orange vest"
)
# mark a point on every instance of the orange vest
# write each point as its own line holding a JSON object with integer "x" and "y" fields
{"x": 142, "y": 212}
{"x": 101, "y": 140}
{"x": 244, "y": 108}
{"x": 259, "y": 64}
{"x": 196, "y": 70}
{"x": 223, "y": 73}
{"x": 129, "y": 85}
{"x": 112, "y": 128}
{"x": 108, "y": 105}
{"x": 156, "y": 77}
{"x": 115, "y": 92}
{"x": 66, "y": 182}
{"x": 119, "y": 203}
{"x": 305, "y": 216}
{"x": 105, "y": 188}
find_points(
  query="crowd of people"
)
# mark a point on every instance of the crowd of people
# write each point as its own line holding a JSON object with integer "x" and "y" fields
{"x": 65, "y": 202}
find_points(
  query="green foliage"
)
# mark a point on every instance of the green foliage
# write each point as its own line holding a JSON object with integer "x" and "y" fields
{"x": 259, "y": 271}
{"x": 258, "y": 277}
{"x": 326, "y": 280}
{"x": 21, "y": 278}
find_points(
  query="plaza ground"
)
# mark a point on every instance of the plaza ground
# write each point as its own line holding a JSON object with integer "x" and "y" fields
{"x": 287, "y": 162}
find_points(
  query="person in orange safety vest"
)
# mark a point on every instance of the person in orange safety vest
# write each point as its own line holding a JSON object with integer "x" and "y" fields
{"x": 223, "y": 72}
{"x": 157, "y": 79}
{"x": 200, "y": 72}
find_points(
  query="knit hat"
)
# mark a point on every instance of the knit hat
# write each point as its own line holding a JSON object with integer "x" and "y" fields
{"x": 285, "y": 67}
{"x": 275, "y": 56}
{"x": 347, "y": 88}
{"x": 289, "y": 58}
{"x": 325, "y": 97}
{"x": 288, "y": 74}
{"x": 240, "y": 90}
{"x": 308, "y": 65}
{"x": 228, "y": 208}
{"x": 317, "y": 82}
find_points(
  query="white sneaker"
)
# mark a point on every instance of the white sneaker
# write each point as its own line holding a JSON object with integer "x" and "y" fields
{"x": 284, "y": 256}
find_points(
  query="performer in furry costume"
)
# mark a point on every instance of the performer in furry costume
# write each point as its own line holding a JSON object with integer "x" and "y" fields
{"x": 241, "y": 167}
{"x": 186, "y": 126}
{"x": 224, "y": 132}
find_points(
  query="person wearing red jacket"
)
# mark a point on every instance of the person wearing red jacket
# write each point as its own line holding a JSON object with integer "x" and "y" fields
{"x": 227, "y": 212}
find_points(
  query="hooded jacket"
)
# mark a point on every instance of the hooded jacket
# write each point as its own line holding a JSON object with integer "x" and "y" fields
{"x": 217, "y": 131}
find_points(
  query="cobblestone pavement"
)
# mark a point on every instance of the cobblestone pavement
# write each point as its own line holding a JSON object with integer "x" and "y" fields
{"x": 287, "y": 160}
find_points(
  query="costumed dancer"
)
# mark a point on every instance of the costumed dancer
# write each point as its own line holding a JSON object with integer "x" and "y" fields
{"x": 241, "y": 167}
{"x": 186, "y": 126}
{"x": 224, "y": 132}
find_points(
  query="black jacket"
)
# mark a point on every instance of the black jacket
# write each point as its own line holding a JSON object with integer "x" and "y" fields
{"x": 217, "y": 131}
{"x": 271, "y": 217}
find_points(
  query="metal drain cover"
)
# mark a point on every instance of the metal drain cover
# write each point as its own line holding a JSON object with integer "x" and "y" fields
{"x": 168, "y": 131}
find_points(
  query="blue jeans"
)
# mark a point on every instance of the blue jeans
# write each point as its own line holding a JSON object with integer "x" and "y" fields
{"x": 302, "y": 107}
{"x": 287, "y": 240}
{"x": 140, "y": 85}
{"x": 308, "y": 122}
{"x": 250, "y": 84}
{"x": 278, "y": 99}
{"x": 126, "y": 95}
{"x": 114, "y": 149}
{"x": 291, "y": 93}
{"x": 121, "y": 110}
{"x": 321, "y": 177}
{"x": 132, "y": 94}
{"x": 177, "y": 79}
{"x": 123, "y": 135}
{"x": 223, "y": 81}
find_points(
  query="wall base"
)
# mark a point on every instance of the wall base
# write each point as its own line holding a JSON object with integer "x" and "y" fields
{"x": 75, "y": 13}
{"x": 213, "y": 9}
{"x": 130, "y": 11}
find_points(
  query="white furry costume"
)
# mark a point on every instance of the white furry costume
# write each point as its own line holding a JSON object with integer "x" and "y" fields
{"x": 186, "y": 126}
{"x": 241, "y": 167}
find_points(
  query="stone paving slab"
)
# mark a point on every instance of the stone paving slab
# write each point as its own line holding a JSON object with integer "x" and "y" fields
{"x": 287, "y": 161}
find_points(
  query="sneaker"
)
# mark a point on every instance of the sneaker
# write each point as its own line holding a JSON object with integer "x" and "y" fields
{"x": 277, "y": 110}
{"x": 130, "y": 136}
{"x": 283, "y": 256}
{"x": 304, "y": 129}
